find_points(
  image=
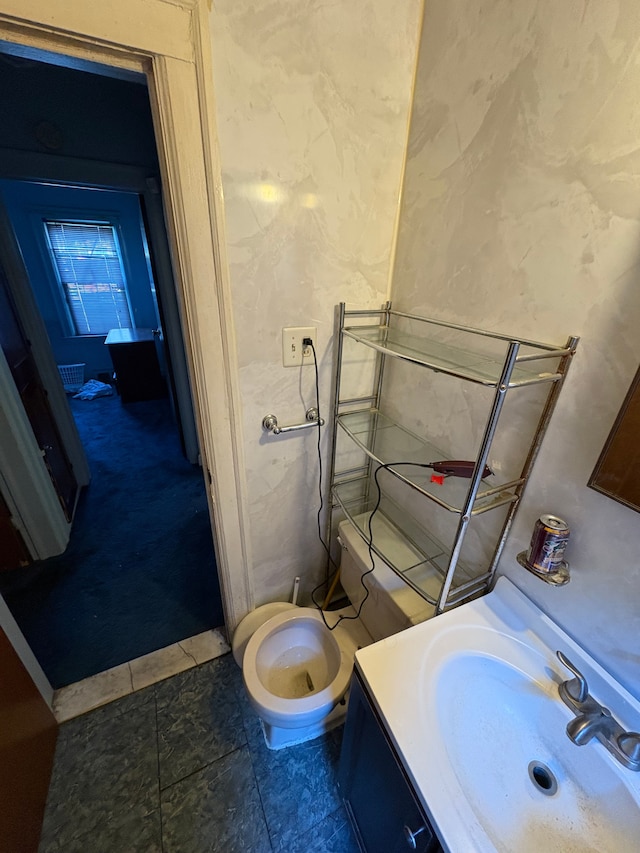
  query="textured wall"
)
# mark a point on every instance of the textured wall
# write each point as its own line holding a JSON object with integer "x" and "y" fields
{"x": 312, "y": 108}
{"x": 521, "y": 214}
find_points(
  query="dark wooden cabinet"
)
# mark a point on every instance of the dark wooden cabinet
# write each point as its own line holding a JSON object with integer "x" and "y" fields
{"x": 383, "y": 811}
{"x": 136, "y": 365}
{"x": 28, "y": 733}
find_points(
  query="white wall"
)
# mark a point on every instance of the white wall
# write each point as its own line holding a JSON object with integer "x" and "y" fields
{"x": 521, "y": 214}
{"x": 312, "y": 108}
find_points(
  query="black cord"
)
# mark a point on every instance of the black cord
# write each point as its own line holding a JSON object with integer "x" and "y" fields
{"x": 328, "y": 579}
{"x": 321, "y": 506}
{"x": 375, "y": 509}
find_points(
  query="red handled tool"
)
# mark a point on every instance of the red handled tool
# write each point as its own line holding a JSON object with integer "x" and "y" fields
{"x": 457, "y": 468}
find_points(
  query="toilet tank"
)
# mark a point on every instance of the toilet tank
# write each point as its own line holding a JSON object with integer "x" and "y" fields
{"x": 392, "y": 605}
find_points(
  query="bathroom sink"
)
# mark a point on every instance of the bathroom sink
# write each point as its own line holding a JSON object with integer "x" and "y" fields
{"x": 471, "y": 701}
{"x": 527, "y": 784}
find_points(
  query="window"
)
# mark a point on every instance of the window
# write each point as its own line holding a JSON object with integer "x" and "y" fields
{"x": 88, "y": 263}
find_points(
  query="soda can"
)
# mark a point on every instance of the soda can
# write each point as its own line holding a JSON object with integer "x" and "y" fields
{"x": 548, "y": 544}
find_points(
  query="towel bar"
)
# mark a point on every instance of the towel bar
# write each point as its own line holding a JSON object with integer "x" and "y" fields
{"x": 270, "y": 422}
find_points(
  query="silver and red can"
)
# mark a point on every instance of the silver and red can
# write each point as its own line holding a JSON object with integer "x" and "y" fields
{"x": 548, "y": 544}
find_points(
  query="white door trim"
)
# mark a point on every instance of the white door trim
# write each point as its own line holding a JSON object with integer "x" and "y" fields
{"x": 170, "y": 43}
{"x": 36, "y": 332}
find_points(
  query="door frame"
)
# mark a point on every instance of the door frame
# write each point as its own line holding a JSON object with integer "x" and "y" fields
{"x": 25, "y": 483}
{"x": 168, "y": 40}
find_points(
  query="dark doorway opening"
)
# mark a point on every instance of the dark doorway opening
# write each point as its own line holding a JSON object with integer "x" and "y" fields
{"x": 139, "y": 572}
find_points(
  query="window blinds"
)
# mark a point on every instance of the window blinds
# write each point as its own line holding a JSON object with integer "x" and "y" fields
{"x": 88, "y": 261}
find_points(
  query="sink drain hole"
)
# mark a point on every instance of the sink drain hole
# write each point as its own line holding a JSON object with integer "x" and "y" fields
{"x": 543, "y": 778}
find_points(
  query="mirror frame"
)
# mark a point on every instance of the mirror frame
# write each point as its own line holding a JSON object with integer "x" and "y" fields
{"x": 617, "y": 471}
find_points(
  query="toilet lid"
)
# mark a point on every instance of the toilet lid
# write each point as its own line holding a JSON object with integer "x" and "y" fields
{"x": 250, "y": 624}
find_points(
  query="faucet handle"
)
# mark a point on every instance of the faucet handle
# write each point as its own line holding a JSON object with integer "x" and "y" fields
{"x": 577, "y": 688}
{"x": 629, "y": 743}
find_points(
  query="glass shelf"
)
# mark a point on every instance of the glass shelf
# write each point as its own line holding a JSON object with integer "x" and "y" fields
{"x": 456, "y": 361}
{"x": 386, "y": 442}
{"x": 405, "y": 546}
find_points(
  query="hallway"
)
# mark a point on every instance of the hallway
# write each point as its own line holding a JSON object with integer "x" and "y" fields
{"x": 139, "y": 573}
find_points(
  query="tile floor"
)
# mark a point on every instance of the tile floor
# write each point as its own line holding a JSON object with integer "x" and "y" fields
{"x": 182, "y": 767}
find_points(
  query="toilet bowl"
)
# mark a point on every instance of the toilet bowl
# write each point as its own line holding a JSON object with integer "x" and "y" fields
{"x": 295, "y": 671}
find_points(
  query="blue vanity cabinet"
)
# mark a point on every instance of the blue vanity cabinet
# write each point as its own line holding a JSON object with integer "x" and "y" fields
{"x": 382, "y": 809}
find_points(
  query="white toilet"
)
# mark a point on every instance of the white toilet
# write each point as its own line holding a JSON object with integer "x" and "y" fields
{"x": 295, "y": 670}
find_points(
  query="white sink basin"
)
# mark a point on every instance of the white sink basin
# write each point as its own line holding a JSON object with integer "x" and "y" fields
{"x": 471, "y": 701}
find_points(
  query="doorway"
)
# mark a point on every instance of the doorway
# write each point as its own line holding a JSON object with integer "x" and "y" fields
{"x": 81, "y": 127}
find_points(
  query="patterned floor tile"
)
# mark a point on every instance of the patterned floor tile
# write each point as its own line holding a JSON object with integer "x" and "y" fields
{"x": 199, "y": 718}
{"x": 135, "y": 830}
{"x": 216, "y": 809}
{"x": 222, "y": 788}
{"x": 331, "y": 835}
{"x": 105, "y": 762}
{"x": 298, "y": 785}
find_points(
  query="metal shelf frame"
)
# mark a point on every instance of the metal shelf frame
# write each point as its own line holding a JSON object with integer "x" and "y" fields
{"x": 505, "y": 374}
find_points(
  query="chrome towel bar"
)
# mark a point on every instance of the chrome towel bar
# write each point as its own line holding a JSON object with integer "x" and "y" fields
{"x": 270, "y": 423}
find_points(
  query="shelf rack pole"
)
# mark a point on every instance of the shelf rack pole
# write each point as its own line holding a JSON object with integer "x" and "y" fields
{"x": 379, "y": 374}
{"x": 377, "y": 386}
{"x": 532, "y": 455}
{"x": 339, "y": 325}
{"x": 465, "y": 516}
{"x": 378, "y": 377}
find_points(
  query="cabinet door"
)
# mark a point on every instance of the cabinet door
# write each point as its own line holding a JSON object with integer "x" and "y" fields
{"x": 380, "y": 803}
{"x": 28, "y": 734}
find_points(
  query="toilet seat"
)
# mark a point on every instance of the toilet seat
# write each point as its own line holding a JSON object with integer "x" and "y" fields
{"x": 250, "y": 624}
{"x": 264, "y": 658}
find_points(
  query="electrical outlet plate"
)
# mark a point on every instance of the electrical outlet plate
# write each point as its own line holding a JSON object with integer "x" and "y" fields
{"x": 294, "y": 354}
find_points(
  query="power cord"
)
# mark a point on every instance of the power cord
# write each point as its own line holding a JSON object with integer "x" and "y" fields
{"x": 309, "y": 342}
{"x": 330, "y": 561}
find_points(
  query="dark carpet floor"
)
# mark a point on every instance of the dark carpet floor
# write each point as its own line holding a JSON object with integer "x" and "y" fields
{"x": 139, "y": 573}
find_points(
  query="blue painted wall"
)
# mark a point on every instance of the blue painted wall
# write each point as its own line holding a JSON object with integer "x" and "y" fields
{"x": 28, "y": 204}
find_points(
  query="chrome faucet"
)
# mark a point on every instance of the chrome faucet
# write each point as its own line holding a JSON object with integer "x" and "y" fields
{"x": 593, "y": 720}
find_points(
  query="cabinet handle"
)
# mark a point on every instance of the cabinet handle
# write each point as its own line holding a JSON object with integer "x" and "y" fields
{"x": 412, "y": 835}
